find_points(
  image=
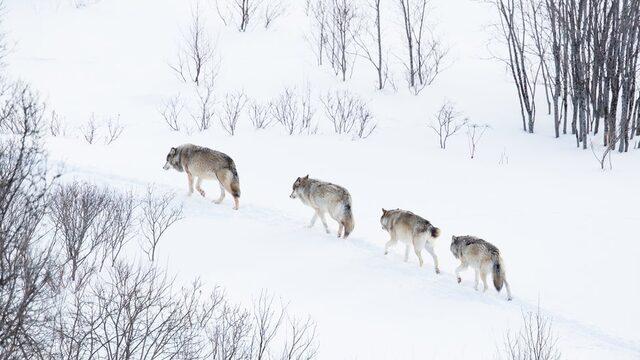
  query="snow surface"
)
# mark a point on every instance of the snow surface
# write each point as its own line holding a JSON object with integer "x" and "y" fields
{"x": 568, "y": 231}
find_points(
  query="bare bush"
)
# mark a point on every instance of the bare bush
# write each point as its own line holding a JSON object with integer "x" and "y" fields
{"x": 273, "y": 9}
{"x": 114, "y": 129}
{"x": 294, "y": 112}
{"x": 241, "y": 12}
{"x": 300, "y": 343}
{"x": 447, "y": 123}
{"x": 348, "y": 114}
{"x": 232, "y": 108}
{"x": 260, "y": 115}
{"x": 474, "y": 134}
{"x": 319, "y": 35}
{"x": 56, "y": 126}
{"x": 203, "y": 116}
{"x": 604, "y": 158}
{"x": 91, "y": 223}
{"x": 90, "y": 129}
{"x": 370, "y": 44}
{"x": 425, "y": 53}
{"x": 171, "y": 112}
{"x": 196, "y": 57}
{"x": 158, "y": 214}
{"x": 22, "y": 111}
{"x": 535, "y": 340}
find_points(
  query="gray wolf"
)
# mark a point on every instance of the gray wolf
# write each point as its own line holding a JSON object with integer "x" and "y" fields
{"x": 203, "y": 163}
{"x": 324, "y": 198}
{"x": 483, "y": 257}
{"x": 412, "y": 230}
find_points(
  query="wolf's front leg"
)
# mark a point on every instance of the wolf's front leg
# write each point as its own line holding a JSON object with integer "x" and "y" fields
{"x": 389, "y": 244}
{"x": 406, "y": 252}
{"x": 475, "y": 284}
{"x": 190, "y": 181}
{"x": 198, "y": 183}
{"x": 460, "y": 267}
{"x": 324, "y": 222}
{"x": 313, "y": 220}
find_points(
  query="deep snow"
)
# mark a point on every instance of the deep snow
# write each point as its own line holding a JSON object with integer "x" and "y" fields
{"x": 567, "y": 231}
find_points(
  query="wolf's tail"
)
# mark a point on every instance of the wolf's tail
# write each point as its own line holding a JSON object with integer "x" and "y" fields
{"x": 347, "y": 220}
{"x": 435, "y": 232}
{"x": 498, "y": 271}
{"x": 235, "y": 181}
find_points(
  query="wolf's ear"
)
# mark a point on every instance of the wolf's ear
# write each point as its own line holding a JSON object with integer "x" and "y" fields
{"x": 306, "y": 177}
{"x": 453, "y": 238}
{"x": 173, "y": 151}
{"x": 384, "y": 211}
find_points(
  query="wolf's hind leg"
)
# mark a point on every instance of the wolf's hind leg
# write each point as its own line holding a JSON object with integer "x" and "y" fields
{"x": 198, "y": 183}
{"x": 190, "y": 181}
{"x": 313, "y": 220}
{"x": 483, "y": 275}
{"x": 460, "y": 267}
{"x": 430, "y": 250}
{"x": 419, "y": 255}
{"x": 340, "y": 229}
{"x": 406, "y": 252}
{"x": 221, "y": 197}
{"x": 506, "y": 284}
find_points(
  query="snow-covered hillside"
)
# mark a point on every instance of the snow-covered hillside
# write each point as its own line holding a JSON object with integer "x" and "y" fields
{"x": 549, "y": 208}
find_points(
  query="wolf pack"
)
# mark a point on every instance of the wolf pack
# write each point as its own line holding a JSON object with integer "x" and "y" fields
{"x": 202, "y": 163}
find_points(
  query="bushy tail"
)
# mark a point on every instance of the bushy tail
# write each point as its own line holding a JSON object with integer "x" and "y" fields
{"x": 498, "y": 272}
{"x": 347, "y": 220}
{"x": 435, "y": 232}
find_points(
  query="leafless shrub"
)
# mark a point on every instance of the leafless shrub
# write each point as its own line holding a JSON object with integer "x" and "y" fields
{"x": 319, "y": 35}
{"x": 370, "y": 44}
{"x": 425, "y": 53}
{"x": 203, "y": 116}
{"x": 273, "y": 9}
{"x": 348, "y": 114}
{"x": 197, "y": 55}
{"x": 447, "y": 123}
{"x": 300, "y": 343}
{"x": 267, "y": 318}
{"x": 605, "y": 157}
{"x": 260, "y": 115}
{"x": 171, "y": 112}
{"x": 241, "y": 12}
{"x": 114, "y": 129}
{"x": 294, "y": 112}
{"x": 158, "y": 214}
{"x": 21, "y": 111}
{"x": 56, "y": 128}
{"x": 90, "y": 129}
{"x": 474, "y": 134}
{"x": 91, "y": 223}
{"x": 232, "y": 108}
{"x": 535, "y": 341}
{"x": 28, "y": 260}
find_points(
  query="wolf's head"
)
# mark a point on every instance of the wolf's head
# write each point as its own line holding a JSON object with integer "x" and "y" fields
{"x": 173, "y": 160}
{"x": 455, "y": 246}
{"x": 384, "y": 219}
{"x": 298, "y": 185}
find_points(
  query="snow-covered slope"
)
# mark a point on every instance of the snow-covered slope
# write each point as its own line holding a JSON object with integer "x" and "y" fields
{"x": 568, "y": 231}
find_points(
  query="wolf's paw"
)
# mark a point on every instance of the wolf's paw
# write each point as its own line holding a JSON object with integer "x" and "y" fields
{"x": 459, "y": 280}
{"x": 386, "y": 252}
{"x": 437, "y": 271}
{"x": 217, "y": 202}
{"x": 509, "y": 298}
{"x": 235, "y": 208}
{"x": 202, "y": 193}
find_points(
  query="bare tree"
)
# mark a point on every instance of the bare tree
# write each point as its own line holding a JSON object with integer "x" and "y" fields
{"x": 535, "y": 341}
{"x": 260, "y": 115}
{"x": 300, "y": 343}
{"x": 232, "y": 108}
{"x": 158, "y": 214}
{"x": 196, "y": 57}
{"x": 56, "y": 126}
{"x": 28, "y": 261}
{"x": 348, "y": 114}
{"x": 342, "y": 30}
{"x": 267, "y": 318}
{"x": 319, "y": 36}
{"x": 242, "y": 12}
{"x": 22, "y": 111}
{"x": 364, "y": 41}
{"x": 425, "y": 53}
{"x": 171, "y": 112}
{"x": 447, "y": 123}
{"x": 474, "y": 134}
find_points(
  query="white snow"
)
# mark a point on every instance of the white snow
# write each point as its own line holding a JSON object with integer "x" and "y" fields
{"x": 567, "y": 230}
